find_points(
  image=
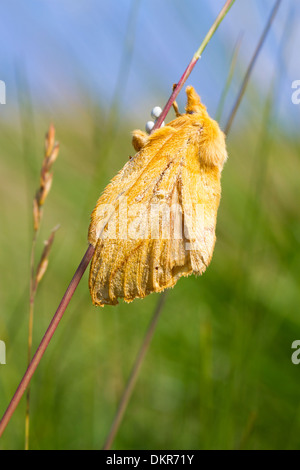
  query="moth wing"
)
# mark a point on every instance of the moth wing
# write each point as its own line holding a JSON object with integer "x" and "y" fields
{"x": 151, "y": 256}
{"x": 137, "y": 178}
{"x": 201, "y": 197}
{"x": 178, "y": 167}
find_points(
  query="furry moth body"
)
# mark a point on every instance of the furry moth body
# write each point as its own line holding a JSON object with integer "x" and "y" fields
{"x": 178, "y": 167}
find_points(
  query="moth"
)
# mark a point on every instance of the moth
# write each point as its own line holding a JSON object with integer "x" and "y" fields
{"x": 155, "y": 222}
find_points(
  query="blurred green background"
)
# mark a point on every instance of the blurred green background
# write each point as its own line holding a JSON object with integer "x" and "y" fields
{"x": 218, "y": 374}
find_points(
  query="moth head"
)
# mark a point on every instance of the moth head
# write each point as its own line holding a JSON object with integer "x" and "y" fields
{"x": 194, "y": 104}
{"x": 210, "y": 139}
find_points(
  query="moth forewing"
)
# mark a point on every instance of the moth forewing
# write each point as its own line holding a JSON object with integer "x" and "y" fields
{"x": 155, "y": 221}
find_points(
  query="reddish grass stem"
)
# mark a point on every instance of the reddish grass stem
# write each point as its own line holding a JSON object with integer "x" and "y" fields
{"x": 47, "y": 337}
{"x": 227, "y": 5}
{"x": 175, "y": 93}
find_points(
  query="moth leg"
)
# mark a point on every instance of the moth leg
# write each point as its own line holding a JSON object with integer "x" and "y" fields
{"x": 175, "y": 105}
{"x": 139, "y": 139}
{"x": 176, "y": 109}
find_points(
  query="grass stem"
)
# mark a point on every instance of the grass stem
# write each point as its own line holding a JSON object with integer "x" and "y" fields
{"x": 134, "y": 373}
{"x": 251, "y": 65}
{"x": 32, "y": 292}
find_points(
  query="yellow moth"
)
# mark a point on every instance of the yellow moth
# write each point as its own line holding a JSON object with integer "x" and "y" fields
{"x": 155, "y": 221}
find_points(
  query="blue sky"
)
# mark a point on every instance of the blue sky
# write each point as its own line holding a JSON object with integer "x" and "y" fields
{"x": 68, "y": 50}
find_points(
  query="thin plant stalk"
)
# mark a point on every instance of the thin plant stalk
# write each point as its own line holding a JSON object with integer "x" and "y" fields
{"x": 32, "y": 292}
{"x": 158, "y": 310}
{"x": 251, "y": 65}
{"x": 134, "y": 373}
{"x": 46, "y": 177}
{"x": 36, "y": 277}
{"x": 233, "y": 62}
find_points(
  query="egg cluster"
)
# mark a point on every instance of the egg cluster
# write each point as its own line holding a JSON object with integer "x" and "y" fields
{"x": 155, "y": 113}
